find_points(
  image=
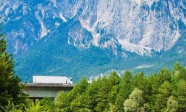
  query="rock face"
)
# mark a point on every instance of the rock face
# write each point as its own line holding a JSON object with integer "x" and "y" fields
{"x": 88, "y": 37}
{"x": 139, "y": 26}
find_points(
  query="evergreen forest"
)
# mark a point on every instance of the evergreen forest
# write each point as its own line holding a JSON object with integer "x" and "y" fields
{"x": 161, "y": 92}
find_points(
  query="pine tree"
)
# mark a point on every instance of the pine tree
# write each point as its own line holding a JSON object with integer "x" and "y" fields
{"x": 181, "y": 95}
{"x": 164, "y": 92}
{"x": 102, "y": 96}
{"x": 10, "y": 86}
{"x": 114, "y": 81}
{"x": 125, "y": 88}
{"x": 92, "y": 92}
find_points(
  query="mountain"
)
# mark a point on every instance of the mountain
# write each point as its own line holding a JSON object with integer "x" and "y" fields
{"x": 89, "y": 37}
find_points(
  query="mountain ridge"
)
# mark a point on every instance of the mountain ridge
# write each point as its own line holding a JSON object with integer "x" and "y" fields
{"x": 138, "y": 26}
{"x": 95, "y": 35}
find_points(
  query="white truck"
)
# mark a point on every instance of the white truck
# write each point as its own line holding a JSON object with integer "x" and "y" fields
{"x": 52, "y": 79}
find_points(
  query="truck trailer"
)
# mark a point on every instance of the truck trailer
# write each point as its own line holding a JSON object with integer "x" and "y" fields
{"x": 52, "y": 79}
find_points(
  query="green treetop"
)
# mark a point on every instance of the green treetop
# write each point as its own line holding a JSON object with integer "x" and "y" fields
{"x": 10, "y": 86}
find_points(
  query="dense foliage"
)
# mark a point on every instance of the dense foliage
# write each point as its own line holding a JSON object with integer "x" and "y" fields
{"x": 161, "y": 92}
{"x": 10, "y": 86}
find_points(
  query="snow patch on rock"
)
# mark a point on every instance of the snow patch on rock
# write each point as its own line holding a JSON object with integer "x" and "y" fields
{"x": 62, "y": 17}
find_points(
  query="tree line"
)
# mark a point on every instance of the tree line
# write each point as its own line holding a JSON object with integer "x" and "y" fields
{"x": 161, "y": 92}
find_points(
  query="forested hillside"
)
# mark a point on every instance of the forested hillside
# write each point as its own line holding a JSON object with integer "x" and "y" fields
{"x": 161, "y": 92}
